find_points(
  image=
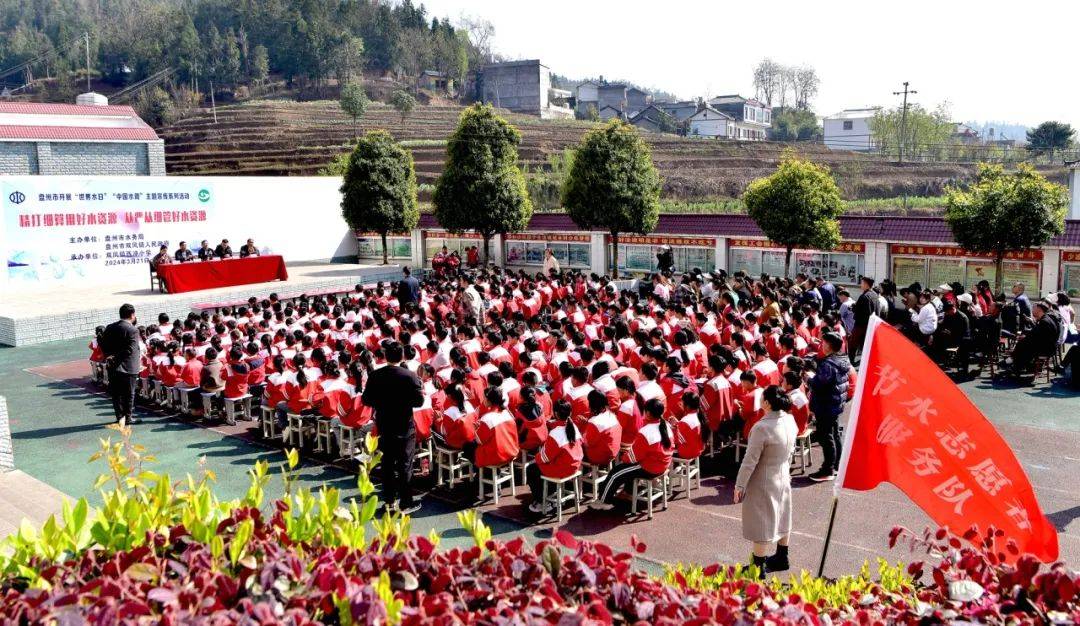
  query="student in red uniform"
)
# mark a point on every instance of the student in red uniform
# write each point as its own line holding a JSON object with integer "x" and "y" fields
{"x": 649, "y": 456}
{"x": 629, "y": 412}
{"x": 602, "y": 432}
{"x": 559, "y": 457}
{"x": 301, "y": 385}
{"x": 691, "y": 432}
{"x": 800, "y": 405}
{"x": 531, "y": 421}
{"x": 717, "y": 399}
{"x": 496, "y": 441}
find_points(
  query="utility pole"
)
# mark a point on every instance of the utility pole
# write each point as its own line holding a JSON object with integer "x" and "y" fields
{"x": 86, "y": 39}
{"x": 903, "y": 118}
{"x": 213, "y": 106}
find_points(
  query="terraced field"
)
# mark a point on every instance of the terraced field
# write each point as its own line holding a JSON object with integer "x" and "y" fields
{"x": 298, "y": 138}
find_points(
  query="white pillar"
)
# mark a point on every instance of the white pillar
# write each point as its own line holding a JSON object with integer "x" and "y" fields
{"x": 497, "y": 250}
{"x": 721, "y": 253}
{"x": 876, "y": 261}
{"x": 1051, "y": 275}
{"x": 1074, "y": 192}
{"x": 598, "y": 254}
{"x": 417, "y": 258}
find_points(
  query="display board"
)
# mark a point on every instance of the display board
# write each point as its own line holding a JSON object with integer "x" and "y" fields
{"x": 103, "y": 229}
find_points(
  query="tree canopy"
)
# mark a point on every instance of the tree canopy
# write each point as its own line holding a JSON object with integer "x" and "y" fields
{"x": 379, "y": 189}
{"x": 923, "y": 132}
{"x": 481, "y": 187}
{"x": 1050, "y": 136}
{"x": 403, "y": 102}
{"x": 613, "y": 184}
{"x": 797, "y": 206}
{"x": 353, "y": 102}
{"x": 1003, "y": 212}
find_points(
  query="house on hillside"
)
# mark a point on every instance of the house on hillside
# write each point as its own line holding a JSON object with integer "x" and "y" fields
{"x": 962, "y": 133}
{"x": 88, "y": 138}
{"x": 850, "y": 129}
{"x": 435, "y": 81}
{"x": 681, "y": 111}
{"x": 636, "y": 101}
{"x": 752, "y": 118}
{"x": 523, "y": 87}
{"x": 609, "y": 112}
{"x": 651, "y": 119}
{"x": 708, "y": 122}
{"x": 586, "y": 97}
{"x": 611, "y": 95}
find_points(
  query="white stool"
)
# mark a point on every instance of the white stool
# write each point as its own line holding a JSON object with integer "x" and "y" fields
{"x": 593, "y": 476}
{"x": 97, "y": 372}
{"x": 297, "y": 427}
{"x": 231, "y": 404}
{"x": 208, "y": 404}
{"x": 158, "y": 393}
{"x": 425, "y": 450}
{"x": 146, "y": 389}
{"x": 324, "y": 435}
{"x": 685, "y": 473}
{"x": 496, "y": 477}
{"x": 181, "y": 399}
{"x": 561, "y": 495}
{"x": 800, "y": 457}
{"x": 268, "y": 421}
{"x": 452, "y": 465}
{"x": 521, "y": 463}
{"x": 647, "y": 491}
{"x": 346, "y": 437}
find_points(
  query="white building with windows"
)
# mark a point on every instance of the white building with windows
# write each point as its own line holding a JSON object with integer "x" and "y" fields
{"x": 850, "y": 129}
{"x": 708, "y": 122}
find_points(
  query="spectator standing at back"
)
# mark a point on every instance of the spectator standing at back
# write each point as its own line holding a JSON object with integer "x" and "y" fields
{"x": 550, "y": 262}
{"x": 393, "y": 391}
{"x": 408, "y": 290}
{"x": 828, "y": 393}
{"x": 847, "y": 314}
{"x": 828, "y": 295}
{"x": 120, "y": 345}
{"x": 865, "y": 305}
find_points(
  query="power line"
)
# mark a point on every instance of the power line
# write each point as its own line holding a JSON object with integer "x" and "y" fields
{"x": 903, "y": 118}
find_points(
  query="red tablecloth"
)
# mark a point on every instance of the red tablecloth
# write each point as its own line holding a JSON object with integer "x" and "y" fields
{"x": 195, "y": 275}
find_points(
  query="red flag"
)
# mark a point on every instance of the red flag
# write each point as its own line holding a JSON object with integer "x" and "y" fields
{"x": 913, "y": 427}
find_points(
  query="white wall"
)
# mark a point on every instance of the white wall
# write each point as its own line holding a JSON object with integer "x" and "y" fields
{"x": 1074, "y": 189}
{"x": 708, "y": 127}
{"x": 296, "y": 217}
{"x": 858, "y": 138}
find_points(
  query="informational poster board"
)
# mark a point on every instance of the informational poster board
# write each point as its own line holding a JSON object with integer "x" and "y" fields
{"x": 978, "y": 271}
{"x": 772, "y": 262}
{"x": 1072, "y": 279}
{"x": 748, "y": 261}
{"x": 907, "y": 271}
{"x": 945, "y": 272}
{"x": 73, "y": 228}
{"x": 1027, "y": 273}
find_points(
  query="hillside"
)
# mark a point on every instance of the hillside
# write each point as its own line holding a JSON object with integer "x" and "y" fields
{"x": 299, "y": 138}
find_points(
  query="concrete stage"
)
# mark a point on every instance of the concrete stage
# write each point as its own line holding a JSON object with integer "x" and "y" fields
{"x": 39, "y": 315}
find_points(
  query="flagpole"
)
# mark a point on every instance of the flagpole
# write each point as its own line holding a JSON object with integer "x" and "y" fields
{"x": 828, "y": 537}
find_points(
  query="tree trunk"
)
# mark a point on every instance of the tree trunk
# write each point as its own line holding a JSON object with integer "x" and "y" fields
{"x": 487, "y": 246}
{"x": 614, "y": 255}
{"x": 384, "y": 254}
{"x": 999, "y": 277}
{"x": 787, "y": 262}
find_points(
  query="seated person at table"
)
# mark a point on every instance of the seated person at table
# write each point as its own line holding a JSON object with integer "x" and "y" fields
{"x": 223, "y": 250}
{"x": 206, "y": 253}
{"x": 1041, "y": 340}
{"x": 249, "y": 249}
{"x": 183, "y": 253}
{"x": 161, "y": 258}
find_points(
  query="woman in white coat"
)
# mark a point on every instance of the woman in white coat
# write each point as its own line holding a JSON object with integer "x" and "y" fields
{"x": 550, "y": 262}
{"x": 764, "y": 482}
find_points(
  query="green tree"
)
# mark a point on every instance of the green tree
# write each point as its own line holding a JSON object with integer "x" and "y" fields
{"x": 379, "y": 190}
{"x": 797, "y": 206}
{"x": 260, "y": 64}
{"x": 794, "y": 125}
{"x": 999, "y": 213}
{"x": 1050, "y": 136}
{"x": 155, "y": 106}
{"x": 921, "y": 133}
{"x": 404, "y": 103}
{"x": 613, "y": 184}
{"x": 481, "y": 187}
{"x": 353, "y": 102}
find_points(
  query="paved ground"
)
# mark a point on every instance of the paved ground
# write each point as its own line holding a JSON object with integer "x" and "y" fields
{"x": 56, "y": 421}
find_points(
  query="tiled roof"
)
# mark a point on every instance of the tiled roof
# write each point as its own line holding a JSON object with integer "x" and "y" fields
{"x": 73, "y": 122}
{"x": 77, "y": 133}
{"x": 894, "y": 229}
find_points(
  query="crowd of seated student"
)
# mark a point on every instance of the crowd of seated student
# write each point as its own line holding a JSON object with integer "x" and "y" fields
{"x": 564, "y": 367}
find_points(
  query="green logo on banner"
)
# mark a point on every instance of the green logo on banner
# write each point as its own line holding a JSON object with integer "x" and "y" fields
{"x": 204, "y": 195}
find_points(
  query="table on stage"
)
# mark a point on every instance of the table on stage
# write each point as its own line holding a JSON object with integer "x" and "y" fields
{"x": 196, "y": 275}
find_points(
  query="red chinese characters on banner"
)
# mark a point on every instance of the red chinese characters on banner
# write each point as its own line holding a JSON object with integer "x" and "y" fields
{"x": 954, "y": 251}
{"x": 845, "y": 246}
{"x": 913, "y": 427}
{"x": 1068, "y": 256}
{"x": 95, "y": 218}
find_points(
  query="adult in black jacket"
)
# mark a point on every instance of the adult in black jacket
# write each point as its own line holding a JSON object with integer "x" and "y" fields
{"x": 954, "y": 332}
{"x": 393, "y": 392}
{"x": 1041, "y": 340}
{"x": 828, "y": 394}
{"x": 120, "y": 344}
{"x": 408, "y": 288}
{"x": 865, "y": 305}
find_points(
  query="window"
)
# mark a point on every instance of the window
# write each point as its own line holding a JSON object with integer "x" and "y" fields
{"x": 642, "y": 258}
{"x": 848, "y": 125}
{"x": 840, "y": 268}
{"x": 1071, "y": 283}
{"x": 371, "y": 247}
{"x": 532, "y": 253}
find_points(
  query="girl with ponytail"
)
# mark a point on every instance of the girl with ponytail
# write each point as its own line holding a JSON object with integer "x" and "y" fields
{"x": 691, "y": 432}
{"x": 559, "y": 457}
{"x": 648, "y": 457}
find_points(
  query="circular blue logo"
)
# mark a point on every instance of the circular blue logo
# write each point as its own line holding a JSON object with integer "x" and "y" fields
{"x": 17, "y": 197}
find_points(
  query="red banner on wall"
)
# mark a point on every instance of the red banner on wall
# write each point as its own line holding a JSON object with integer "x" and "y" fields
{"x": 660, "y": 240}
{"x": 845, "y": 246}
{"x": 442, "y": 234}
{"x": 1070, "y": 256}
{"x": 558, "y": 237}
{"x": 956, "y": 251}
{"x": 913, "y": 427}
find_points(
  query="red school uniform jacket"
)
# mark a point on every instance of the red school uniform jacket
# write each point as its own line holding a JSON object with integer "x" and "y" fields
{"x": 558, "y": 458}
{"x": 648, "y": 450}
{"x": 602, "y": 438}
{"x": 236, "y": 380}
{"x": 532, "y": 432}
{"x": 191, "y": 374}
{"x": 335, "y": 398}
{"x": 751, "y": 410}
{"x": 717, "y": 401}
{"x": 630, "y": 420}
{"x": 496, "y": 434}
{"x": 688, "y": 442}
{"x": 423, "y": 418}
{"x": 800, "y": 408}
{"x": 458, "y": 427}
{"x": 767, "y": 373}
{"x": 578, "y": 397}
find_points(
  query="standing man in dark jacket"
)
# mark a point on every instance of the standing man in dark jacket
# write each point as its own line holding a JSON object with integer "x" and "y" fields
{"x": 393, "y": 392}
{"x": 865, "y": 305}
{"x": 827, "y": 290}
{"x": 408, "y": 289}
{"x": 120, "y": 343}
{"x": 828, "y": 393}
